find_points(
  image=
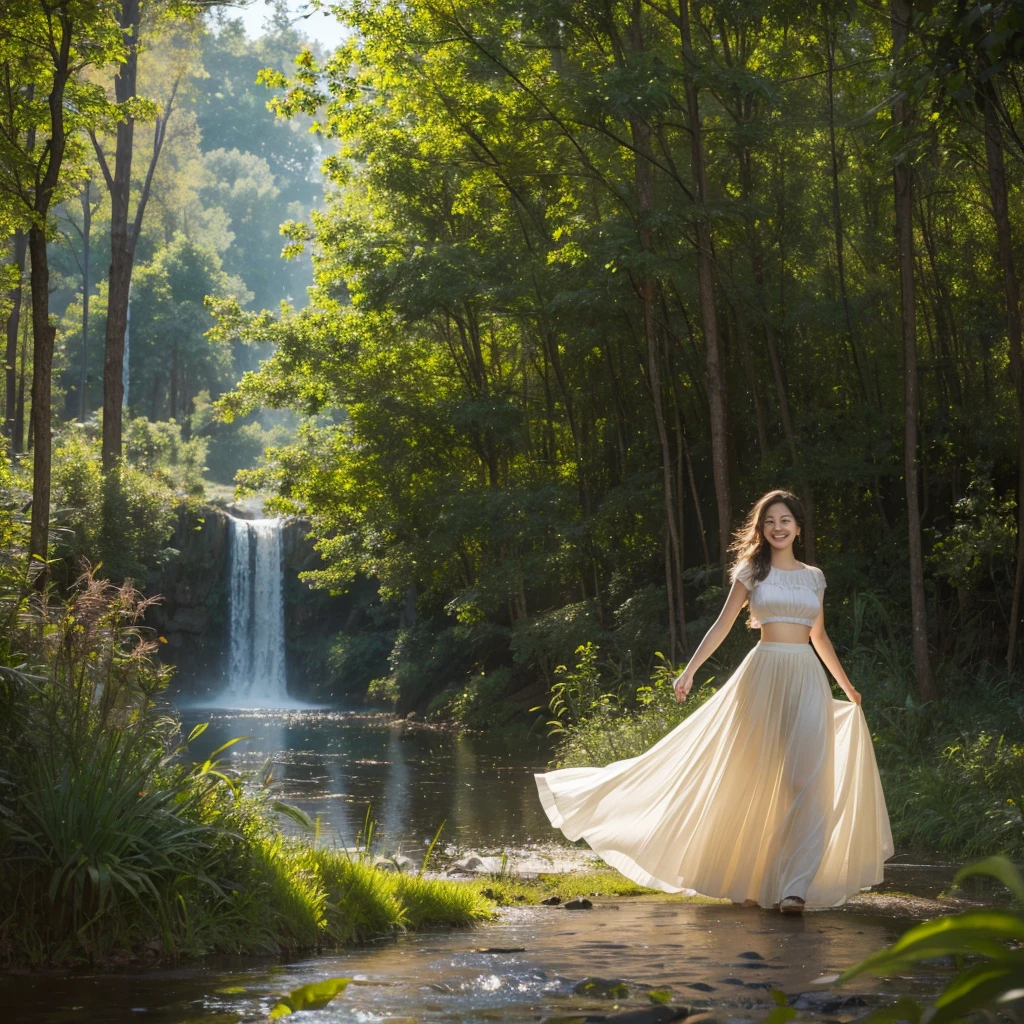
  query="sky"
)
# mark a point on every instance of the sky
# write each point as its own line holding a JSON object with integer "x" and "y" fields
{"x": 323, "y": 28}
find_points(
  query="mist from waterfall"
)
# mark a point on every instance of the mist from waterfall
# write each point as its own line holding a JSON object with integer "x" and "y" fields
{"x": 256, "y": 666}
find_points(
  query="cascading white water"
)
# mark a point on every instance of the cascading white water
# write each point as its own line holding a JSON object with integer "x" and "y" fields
{"x": 256, "y": 672}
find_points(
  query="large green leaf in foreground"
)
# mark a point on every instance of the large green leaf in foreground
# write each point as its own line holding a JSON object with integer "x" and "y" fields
{"x": 994, "y": 984}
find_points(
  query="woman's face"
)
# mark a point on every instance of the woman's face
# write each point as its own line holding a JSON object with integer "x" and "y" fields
{"x": 780, "y": 528}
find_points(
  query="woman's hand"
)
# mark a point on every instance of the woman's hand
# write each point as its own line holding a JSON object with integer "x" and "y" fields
{"x": 682, "y": 684}
{"x": 853, "y": 696}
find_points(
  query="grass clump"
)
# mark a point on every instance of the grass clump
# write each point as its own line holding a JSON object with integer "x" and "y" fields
{"x": 509, "y": 890}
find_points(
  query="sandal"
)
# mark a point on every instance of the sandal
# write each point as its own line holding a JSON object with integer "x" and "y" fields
{"x": 792, "y": 905}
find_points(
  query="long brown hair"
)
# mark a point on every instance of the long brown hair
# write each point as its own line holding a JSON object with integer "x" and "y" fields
{"x": 749, "y": 543}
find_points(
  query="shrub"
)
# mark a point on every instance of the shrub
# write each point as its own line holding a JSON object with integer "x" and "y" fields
{"x": 158, "y": 449}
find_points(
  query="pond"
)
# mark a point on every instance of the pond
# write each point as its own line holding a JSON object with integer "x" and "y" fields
{"x": 334, "y": 765}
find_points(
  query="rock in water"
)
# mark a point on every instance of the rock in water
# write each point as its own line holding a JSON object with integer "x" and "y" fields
{"x": 602, "y": 988}
{"x": 579, "y": 903}
{"x": 552, "y": 901}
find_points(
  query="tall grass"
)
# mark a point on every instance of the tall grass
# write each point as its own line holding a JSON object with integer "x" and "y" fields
{"x": 113, "y": 843}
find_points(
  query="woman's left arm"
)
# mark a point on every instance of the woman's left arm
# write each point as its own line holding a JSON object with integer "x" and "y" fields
{"x": 827, "y": 653}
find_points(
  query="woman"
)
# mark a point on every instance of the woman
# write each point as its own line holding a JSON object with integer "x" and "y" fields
{"x": 769, "y": 794}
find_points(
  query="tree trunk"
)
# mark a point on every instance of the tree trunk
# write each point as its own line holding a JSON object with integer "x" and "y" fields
{"x": 647, "y": 288}
{"x": 43, "y": 333}
{"x": 714, "y": 357}
{"x": 83, "y": 376}
{"x": 1000, "y": 211}
{"x": 18, "y": 440}
{"x": 903, "y": 186}
{"x": 122, "y": 242}
{"x": 11, "y": 353}
{"x": 837, "y": 219}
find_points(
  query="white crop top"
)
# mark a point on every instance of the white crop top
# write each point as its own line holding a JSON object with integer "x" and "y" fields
{"x": 783, "y": 595}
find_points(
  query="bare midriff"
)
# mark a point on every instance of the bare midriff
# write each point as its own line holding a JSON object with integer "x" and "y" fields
{"x": 785, "y": 633}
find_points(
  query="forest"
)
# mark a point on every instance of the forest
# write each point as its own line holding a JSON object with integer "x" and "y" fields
{"x": 517, "y": 308}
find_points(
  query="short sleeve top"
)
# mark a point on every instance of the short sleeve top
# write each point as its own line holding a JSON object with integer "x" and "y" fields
{"x": 783, "y": 595}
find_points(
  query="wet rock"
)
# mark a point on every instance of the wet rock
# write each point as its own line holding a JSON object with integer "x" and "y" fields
{"x": 701, "y": 986}
{"x": 501, "y": 949}
{"x": 767, "y": 985}
{"x": 750, "y": 955}
{"x": 702, "y": 1018}
{"x": 475, "y": 864}
{"x": 731, "y": 981}
{"x": 650, "y": 1015}
{"x": 602, "y": 988}
{"x": 579, "y": 903}
{"x": 552, "y": 901}
{"x": 825, "y": 1002}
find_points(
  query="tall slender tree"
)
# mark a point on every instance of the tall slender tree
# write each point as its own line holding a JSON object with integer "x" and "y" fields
{"x": 901, "y": 13}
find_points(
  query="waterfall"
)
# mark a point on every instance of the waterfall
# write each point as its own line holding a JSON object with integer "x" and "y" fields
{"x": 256, "y": 672}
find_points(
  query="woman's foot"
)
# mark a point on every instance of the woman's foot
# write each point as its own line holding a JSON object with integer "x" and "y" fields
{"x": 792, "y": 905}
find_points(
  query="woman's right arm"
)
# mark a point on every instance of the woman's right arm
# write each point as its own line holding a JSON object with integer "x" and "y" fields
{"x": 715, "y": 635}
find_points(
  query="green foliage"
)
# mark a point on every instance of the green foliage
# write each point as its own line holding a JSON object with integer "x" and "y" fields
{"x": 172, "y": 357}
{"x": 599, "y": 737}
{"x": 995, "y": 985}
{"x": 481, "y": 702}
{"x": 160, "y": 450}
{"x": 383, "y": 691}
{"x": 77, "y": 493}
{"x": 576, "y": 695}
{"x": 355, "y": 662}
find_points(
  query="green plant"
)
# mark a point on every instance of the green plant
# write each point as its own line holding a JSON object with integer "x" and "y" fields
{"x": 314, "y": 996}
{"x": 577, "y": 695}
{"x": 992, "y": 985}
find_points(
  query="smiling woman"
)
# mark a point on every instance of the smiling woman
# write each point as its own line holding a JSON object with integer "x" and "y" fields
{"x": 769, "y": 794}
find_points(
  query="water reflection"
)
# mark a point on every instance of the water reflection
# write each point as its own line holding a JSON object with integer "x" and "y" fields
{"x": 335, "y": 764}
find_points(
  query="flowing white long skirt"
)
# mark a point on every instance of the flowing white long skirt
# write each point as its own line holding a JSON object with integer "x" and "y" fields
{"x": 768, "y": 790}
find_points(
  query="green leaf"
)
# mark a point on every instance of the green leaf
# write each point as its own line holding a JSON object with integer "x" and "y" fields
{"x": 295, "y": 813}
{"x": 995, "y": 867}
{"x": 780, "y": 1015}
{"x": 978, "y": 987}
{"x": 981, "y": 932}
{"x": 224, "y": 746}
{"x": 198, "y": 731}
{"x": 314, "y": 996}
